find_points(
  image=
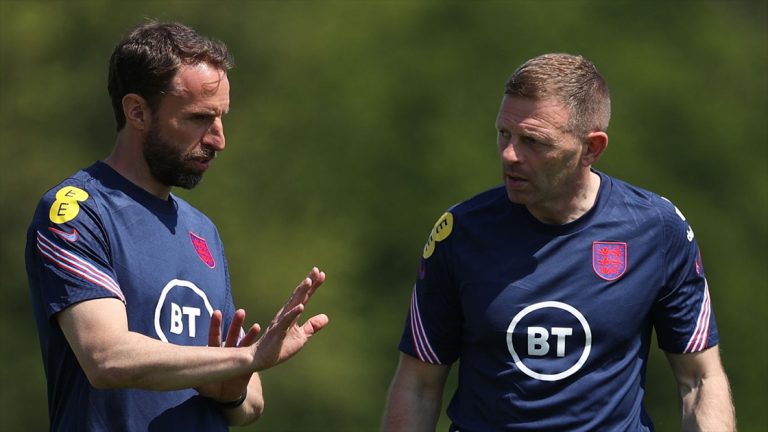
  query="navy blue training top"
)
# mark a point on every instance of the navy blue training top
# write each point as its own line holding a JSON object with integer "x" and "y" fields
{"x": 97, "y": 235}
{"x": 551, "y": 325}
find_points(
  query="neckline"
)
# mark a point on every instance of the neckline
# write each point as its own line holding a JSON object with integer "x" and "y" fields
{"x": 113, "y": 179}
{"x": 583, "y": 221}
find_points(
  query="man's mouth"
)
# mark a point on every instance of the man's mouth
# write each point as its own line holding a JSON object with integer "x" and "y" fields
{"x": 514, "y": 179}
{"x": 202, "y": 159}
{"x": 201, "y": 163}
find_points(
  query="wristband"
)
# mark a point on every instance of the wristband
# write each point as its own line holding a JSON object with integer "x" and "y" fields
{"x": 234, "y": 403}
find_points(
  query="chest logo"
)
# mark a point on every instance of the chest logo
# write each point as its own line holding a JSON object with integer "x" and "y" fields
{"x": 609, "y": 259}
{"x": 549, "y": 341}
{"x": 179, "y": 312}
{"x": 201, "y": 247}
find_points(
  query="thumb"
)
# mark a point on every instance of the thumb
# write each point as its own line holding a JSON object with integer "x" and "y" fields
{"x": 315, "y": 324}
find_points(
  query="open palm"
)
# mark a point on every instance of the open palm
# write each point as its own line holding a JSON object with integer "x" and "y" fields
{"x": 284, "y": 337}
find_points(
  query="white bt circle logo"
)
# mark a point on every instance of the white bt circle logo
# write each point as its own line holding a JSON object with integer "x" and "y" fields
{"x": 182, "y": 318}
{"x": 553, "y": 341}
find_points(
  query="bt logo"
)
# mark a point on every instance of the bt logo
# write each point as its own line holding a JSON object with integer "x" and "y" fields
{"x": 538, "y": 340}
{"x": 180, "y": 305}
{"x": 177, "y": 321}
{"x": 552, "y": 352}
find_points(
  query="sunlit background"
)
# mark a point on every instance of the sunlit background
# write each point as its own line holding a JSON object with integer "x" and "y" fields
{"x": 355, "y": 124}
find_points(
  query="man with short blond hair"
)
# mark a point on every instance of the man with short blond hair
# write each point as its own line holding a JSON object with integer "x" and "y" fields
{"x": 546, "y": 289}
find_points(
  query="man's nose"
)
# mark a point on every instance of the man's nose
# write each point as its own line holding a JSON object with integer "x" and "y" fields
{"x": 214, "y": 136}
{"x": 509, "y": 151}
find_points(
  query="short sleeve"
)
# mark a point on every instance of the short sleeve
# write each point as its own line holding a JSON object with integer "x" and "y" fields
{"x": 433, "y": 327}
{"x": 68, "y": 258}
{"x": 683, "y": 316}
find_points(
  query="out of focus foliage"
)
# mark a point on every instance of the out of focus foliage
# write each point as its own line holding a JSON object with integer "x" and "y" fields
{"x": 354, "y": 124}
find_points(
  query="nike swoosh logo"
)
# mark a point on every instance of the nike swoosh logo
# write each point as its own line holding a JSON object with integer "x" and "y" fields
{"x": 68, "y": 236}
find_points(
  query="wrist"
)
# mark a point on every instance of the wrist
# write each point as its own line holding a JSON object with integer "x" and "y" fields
{"x": 235, "y": 403}
{"x": 258, "y": 363}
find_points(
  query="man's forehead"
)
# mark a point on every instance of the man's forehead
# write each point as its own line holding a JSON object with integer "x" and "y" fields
{"x": 199, "y": 78}
{"x": 199, "y": 88}
{"x": 548, "y": 111}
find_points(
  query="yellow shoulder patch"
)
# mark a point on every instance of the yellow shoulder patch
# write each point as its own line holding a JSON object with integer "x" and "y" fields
{"x": 442, "y": 229}
{"x": 66, "y": 207}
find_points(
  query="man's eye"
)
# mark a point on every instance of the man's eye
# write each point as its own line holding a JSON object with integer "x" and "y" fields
{"x": 528, "y": 140}
{"x": 504, "y": 134}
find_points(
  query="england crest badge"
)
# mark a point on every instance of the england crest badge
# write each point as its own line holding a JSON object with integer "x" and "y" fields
{"x": 201, "y": 247}
{"x": 609, "y": 259}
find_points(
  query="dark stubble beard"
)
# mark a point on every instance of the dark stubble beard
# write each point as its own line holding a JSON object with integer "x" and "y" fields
{"x": 167, "y": 164}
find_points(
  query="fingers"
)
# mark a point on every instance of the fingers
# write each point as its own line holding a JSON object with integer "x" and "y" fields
{"x": 289, "y": 314}
{"x": 233, "y": 334}
{"x": 305, "y": 289}
{"x": 317, "y": 277}
{"x": 287, "y": 319}
{"x": 310, "y": 327}
{"x": 251, "y": 337}
{"x": 214, "y": 331}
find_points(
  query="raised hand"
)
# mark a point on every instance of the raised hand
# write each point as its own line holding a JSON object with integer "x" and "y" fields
{"x": 284, "y": 337}
{"x": 232, "y": 389}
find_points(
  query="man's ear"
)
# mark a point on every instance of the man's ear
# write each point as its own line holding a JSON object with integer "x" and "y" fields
{"x": 136, "y": 110}
{"x": 594, "y": 146}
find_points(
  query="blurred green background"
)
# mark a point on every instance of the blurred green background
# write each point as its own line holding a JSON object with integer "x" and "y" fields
{"x": 354, "y": 124}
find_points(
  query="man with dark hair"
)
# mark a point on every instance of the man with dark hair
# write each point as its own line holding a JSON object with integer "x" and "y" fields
{"x": 126, "y": 277}
{"x": 546, "y": 289}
